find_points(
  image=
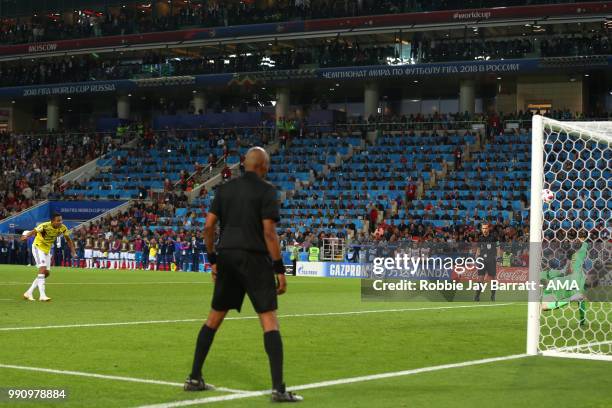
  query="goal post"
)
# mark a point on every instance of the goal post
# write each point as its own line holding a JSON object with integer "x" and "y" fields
{"x": 535, "y": 230}
{"x": 570, "y": 240}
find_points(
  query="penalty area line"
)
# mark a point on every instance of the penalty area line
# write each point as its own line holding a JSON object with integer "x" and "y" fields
{"x": 357, "y": 312}
{"x": 110, "y": 283}
{"x": 349, "y": 380}
{"x": 109, "y": 377}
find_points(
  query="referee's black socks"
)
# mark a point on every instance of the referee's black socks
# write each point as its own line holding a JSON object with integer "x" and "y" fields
{"x": 274, "y": 348}
{"x": 205, "y": 339}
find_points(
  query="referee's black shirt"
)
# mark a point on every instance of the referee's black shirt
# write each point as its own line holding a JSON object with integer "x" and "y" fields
{"x": 241, "y": 205}
{"x": 488, "y": 248}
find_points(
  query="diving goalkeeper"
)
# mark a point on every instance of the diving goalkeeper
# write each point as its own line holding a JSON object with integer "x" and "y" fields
{"x": 560, "y": 297}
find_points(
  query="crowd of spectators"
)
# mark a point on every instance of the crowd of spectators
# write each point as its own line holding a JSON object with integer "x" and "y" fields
{"x": 495, "y": 121}
{"x": 140, "y": 237}
{"x": 166, "y": 249}
{"x": 336, "y": 53}
{"x": 31, "y": 163}
{"x": 163, "y": 230}
{"x": 68, "y": 69}
{"x": 408, "y": 231}
{"x": 522, "y": 47}
{"x": 215, "y": 13}
{"x": 390, "y": 218}
{"x": 492, "y": 188}
{"x": 91, "y": 68}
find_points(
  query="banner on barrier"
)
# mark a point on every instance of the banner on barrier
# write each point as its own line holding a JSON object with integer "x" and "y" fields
{"x": 26, "y": 220}
{"x": 331, "y": 269}
{"x": 409, "y": 71}
{"x": 82, "y": 210}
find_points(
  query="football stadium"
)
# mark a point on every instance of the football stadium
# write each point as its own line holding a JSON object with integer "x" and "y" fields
{"x": 335, "y": 203}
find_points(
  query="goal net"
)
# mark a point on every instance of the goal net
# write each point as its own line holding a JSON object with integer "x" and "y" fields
{"x": 570, "y": 242}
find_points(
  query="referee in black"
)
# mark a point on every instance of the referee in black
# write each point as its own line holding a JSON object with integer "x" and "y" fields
{"x": 487, "y": 250}
{"x": 248, "y": 262}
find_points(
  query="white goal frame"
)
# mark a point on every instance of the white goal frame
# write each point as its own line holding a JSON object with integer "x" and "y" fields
{"x": 536, "y": 223}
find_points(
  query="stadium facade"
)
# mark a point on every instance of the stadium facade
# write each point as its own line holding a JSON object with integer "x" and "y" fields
{"x": 93, "y": 64}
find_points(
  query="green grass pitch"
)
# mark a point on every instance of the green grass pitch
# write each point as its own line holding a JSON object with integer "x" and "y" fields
{"x": 321, "y": 344}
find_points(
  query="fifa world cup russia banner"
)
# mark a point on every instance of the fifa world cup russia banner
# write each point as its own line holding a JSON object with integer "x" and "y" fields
{"x": 410, "y": 71}
{"x": 343, "y": 23}
{"x": 25, "y": 220}
{"x": 73, "y": 212}
{"x": 76, "y": 88}
{"x": 82, "y": 210}
{"x": 419, "y": 70}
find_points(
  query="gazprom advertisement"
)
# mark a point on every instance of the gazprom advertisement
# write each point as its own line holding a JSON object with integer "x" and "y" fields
{"x": 332, "y": 269}
{"x": 369, "y": 270}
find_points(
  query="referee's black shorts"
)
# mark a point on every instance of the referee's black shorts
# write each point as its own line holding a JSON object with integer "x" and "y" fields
{"x": 240, "y": 272}
{"x": 490, "y": 268}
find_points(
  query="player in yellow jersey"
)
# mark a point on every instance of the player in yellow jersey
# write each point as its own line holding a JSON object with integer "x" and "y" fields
{"x": 46, "y": 233}
{"x": 153, "y": 249}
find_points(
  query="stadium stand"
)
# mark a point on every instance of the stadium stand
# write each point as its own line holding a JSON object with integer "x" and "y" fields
{"x": 23, "y": 28}
{"x": 164, "y": 161}
{"x": 397, "y": 130}
{"x": 338, "y": 53}
{"x": 336, "y": 185}
{"x": 32, "y": 163}
{"x": 387, "y": 172}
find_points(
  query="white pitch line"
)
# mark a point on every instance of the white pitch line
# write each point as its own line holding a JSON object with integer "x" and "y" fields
{"x": 110, "y": 324}
{"x": 68, "y": 326}
{"x": 109, "y": 283}
{"x": 129, "y": 283}
{"x": 109, "y": 377}
{"x": 341, "y": 381}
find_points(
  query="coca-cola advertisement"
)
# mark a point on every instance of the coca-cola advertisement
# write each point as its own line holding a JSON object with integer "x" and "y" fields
{"x": 505, "y": 274}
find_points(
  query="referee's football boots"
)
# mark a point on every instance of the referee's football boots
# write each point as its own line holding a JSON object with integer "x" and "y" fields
{"x": 285, "y": 396}
{"x": 197, "y": 384}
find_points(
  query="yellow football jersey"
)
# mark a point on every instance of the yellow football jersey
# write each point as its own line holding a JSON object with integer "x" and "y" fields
{"x": 46, "y": 235}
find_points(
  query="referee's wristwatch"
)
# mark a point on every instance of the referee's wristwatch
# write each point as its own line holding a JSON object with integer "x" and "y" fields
{"x": 212, "y": 258}
{"x": 279, "y": 266}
